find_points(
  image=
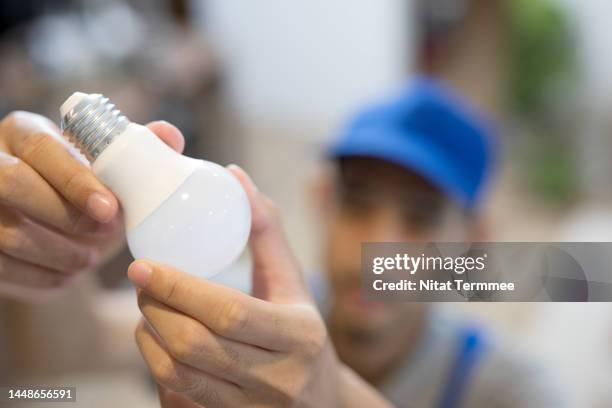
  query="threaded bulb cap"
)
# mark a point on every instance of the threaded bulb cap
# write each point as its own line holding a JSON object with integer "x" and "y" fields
{"x": 91, "y": 123}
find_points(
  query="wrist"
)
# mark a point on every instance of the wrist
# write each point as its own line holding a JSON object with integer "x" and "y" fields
{"x": 355, "y": 391}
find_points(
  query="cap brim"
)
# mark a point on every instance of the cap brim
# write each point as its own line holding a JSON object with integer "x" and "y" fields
{"x": 412, "y": 153}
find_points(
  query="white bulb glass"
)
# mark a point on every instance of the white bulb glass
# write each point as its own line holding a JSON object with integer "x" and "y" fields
{"x": 187, "y": 213}
{"x": 200, "y": 228}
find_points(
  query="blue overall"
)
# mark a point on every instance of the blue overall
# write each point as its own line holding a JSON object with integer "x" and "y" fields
{"x": 470, "y": 349}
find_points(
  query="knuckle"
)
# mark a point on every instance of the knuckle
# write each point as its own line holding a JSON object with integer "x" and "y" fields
{"x": 10, "y": 178}
{"x": 170, "y": 291}
{"x": 315, "y": 340}
{"x": 11, "y": 119}
{"x": 25, "y": 125}
{"x": 176, "y": 378}
{"x": 201, "y": 391}
{"x": 76, "y": 181}
{"x": 233, "y": 318}
{"x": 187, "y": 343}
{"x": 12, "y": 240}
{"x": 165, "y": 373}
{"x": 78, "y": 222}
{"x": 231, "y": 361}
{"x": 34, "y": 144}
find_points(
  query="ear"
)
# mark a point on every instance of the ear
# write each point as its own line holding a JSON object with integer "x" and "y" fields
{"x": 320, "y": 188}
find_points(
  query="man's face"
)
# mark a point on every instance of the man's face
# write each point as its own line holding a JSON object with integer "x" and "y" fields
{"x": 373, "y": 200}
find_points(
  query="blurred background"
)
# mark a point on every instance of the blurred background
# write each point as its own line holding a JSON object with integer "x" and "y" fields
{"x": 267, "y": 84}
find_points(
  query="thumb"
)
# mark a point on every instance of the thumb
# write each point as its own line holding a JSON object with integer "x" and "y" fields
{"x": 276, "y": 274}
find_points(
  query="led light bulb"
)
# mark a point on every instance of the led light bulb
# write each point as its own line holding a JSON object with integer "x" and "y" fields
{"x": 191, "y": 214}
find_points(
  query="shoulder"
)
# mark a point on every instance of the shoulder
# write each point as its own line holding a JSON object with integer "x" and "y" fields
{"x": 507, "y": 376}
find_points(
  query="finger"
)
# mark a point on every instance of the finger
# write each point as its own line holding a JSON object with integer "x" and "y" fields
{"x": 37, "y": 141}
{"x": 192, "y": 343}
{"x": 28, "y": 295}
{"x": 169, "y": 134}
{"x": 178, "y": 377}
{"x": 226, "y": 311}
{"x": 276, "y": 275}
{"x": 24, "y": 189}
{"x": 171, "y": 399}
{"x": 14, "y": 271}
{"x": 28, "y": 241}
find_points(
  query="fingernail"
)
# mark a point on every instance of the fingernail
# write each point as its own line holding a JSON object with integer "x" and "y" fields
{"x": 159, "y": 122}
{"x": 250, "y": 180}
{"x": 100, "y": 207}
{"x": 140, "y": 274}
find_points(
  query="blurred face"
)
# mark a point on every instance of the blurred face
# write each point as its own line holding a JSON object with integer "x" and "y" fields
{"x": 373, "y": 200}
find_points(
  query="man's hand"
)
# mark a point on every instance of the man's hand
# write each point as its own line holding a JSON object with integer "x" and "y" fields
{"x": 220, "y": 347}
{"x": 56, "y": 218}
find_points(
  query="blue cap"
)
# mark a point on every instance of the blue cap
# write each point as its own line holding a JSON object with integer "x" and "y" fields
{"x": 430, "y": 131}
